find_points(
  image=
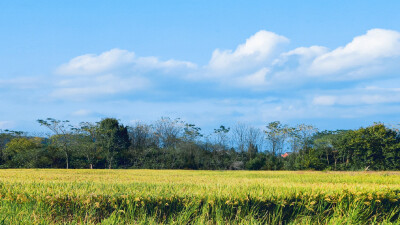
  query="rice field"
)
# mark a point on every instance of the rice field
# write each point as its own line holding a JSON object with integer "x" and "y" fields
{"x": 54, "y": 196}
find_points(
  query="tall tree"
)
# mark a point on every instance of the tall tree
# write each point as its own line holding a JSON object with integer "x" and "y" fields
{"x": 62, "y": 137}
{"x": 142, "y": 136}
{"x": 239, "y": 135}
{"x": 113, "y": 138}
{"x": 169, "y": 131}
{"x": 87, "y": 144}
{"x": 255, "y": 139}
{"x": 221, "y": 136}
{"x": 276, "y": 135}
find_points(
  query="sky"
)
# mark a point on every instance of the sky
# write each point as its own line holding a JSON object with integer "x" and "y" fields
{"x": 331, "y": 64}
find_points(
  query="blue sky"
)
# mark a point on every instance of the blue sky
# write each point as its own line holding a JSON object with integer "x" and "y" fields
{"x": 332, "y": 64}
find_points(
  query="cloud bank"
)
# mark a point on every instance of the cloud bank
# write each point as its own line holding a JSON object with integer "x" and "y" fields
{"x": 259, "y": 79}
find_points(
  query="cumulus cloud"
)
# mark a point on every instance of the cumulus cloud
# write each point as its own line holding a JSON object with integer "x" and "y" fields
{"x": 257, "y": 50}
{"x": 258, "y": 64}
{"x": 362, "y": 51}
{"x": 302, "y": 55}
{"x": 257, "y": 79}
{"x": 111, "y": 72}
{"x": 90, "y": 64}
{"x": 155, "y": 63}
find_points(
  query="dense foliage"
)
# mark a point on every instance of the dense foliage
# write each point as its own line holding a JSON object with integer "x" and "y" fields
{"x": 174, "y": 144}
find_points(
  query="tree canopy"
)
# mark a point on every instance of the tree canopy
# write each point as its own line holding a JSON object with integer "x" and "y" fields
{"x": 176, "y": 144}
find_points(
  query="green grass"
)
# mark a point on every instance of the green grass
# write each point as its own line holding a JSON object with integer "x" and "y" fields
{"x": 198, "y": 197}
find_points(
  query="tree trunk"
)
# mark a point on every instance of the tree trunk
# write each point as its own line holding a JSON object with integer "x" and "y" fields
{"x": 327, "y": 157}
{"x": 91, "y": 166}
{"x": 66, "y": 155}
{"x": 110, "y": 163}
{"x": 335, "y": 163}
{"x": 66, "y": 159}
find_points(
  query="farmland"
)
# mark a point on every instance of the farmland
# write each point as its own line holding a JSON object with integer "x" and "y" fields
{"x": 198, "y": 197}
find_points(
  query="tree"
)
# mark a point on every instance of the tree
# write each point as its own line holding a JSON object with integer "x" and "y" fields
{"x": 191, "y": 132}
{"x": 113, "y": 138}
{"x": 22, "y": 152}
{"x": 276, "y": 135}
{"x": 252, "y": 150}
{"x": 375, "y": 147}
{"x": 62, "y": 137}
{"x": 87, "y": 142}
{"x": 189, "y": 148}
{"x": 322, "y": 142}
{"x": 5, "y": 137}
{"x": 305, "y": 133}
{"x": 221, "y": 135}
{"x": 255, "y": 141}
{"x": 239, "y": 133}
{"x": 327, "y": 144}
{"x": 142, "y": 136}
{"x": 168, "y": 131}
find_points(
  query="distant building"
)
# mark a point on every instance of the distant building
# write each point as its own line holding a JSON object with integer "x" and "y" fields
{"x": 286, "y": 154}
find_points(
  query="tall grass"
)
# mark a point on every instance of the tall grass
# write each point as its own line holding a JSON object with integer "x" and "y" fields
{"x": 197, "y": 197}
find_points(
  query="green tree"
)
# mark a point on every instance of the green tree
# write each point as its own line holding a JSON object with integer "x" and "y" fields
{"x": 375, "y": 147}
{"x": 22, "y": 152}
{"x": 113, "y": 139}
{"x": 87, "y": 145}
{"x": 62, "y": 137}
{"x": 169, "y": 132}
{"x": 276, "y": 135}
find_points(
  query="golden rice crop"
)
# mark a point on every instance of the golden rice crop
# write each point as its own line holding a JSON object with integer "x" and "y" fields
{"x": 178, "y": 196}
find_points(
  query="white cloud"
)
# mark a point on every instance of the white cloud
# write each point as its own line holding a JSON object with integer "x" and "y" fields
{"x": 364, "y": 50}
{"x": 368, "y": 99}
{"x": 155, "y": 63}
{"x": 304, "y": 54}
{"x": 368, "y": 95}
{"x": 254, "y": 52}
{"x": 256, "y": 65}
{"x": 308, "y": 51}
{"x": 92, "y": 64}
{"x": 257, "y": 79}
{"x": 111, "y": 72}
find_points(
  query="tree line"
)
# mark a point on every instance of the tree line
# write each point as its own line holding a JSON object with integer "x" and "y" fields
{"x": 174, "y": 144}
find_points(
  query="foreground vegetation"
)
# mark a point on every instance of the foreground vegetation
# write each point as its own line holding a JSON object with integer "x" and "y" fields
{"x": 175, "y": 144}
{"x": 198, "y": 197}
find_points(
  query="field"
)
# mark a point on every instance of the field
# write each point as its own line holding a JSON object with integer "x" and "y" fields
{"x": 197, "y": 197}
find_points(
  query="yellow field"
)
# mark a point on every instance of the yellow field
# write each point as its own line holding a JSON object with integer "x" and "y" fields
{"x": 176, "y": 196}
